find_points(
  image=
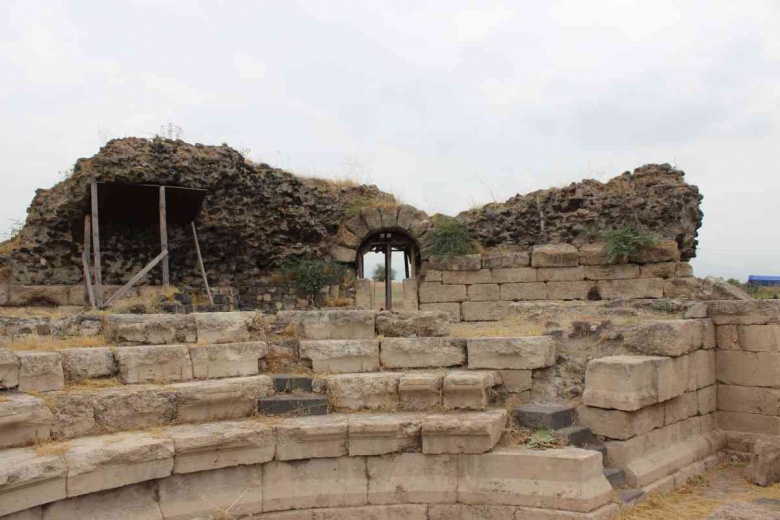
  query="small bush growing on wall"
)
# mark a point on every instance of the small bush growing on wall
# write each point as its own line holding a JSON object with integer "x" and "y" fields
{"x": 379, "y": 273}
{"x": 625, "y": 241}
{"x": 310, "y": 276}
{"x": 451, "y": 238}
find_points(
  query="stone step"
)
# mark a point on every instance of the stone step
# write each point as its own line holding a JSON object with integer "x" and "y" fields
{"x": 535, "y": 416}
{"x": 292, "y": 383}
{"x": 616, "y": 476}
{"x": 631, "y": 496}
{"x": 597, "y": 446}
{"x": 577, "y": 435}
{"x": 293, "y": 405}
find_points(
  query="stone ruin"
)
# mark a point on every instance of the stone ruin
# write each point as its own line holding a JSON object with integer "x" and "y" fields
{"x": 536, "y": 379}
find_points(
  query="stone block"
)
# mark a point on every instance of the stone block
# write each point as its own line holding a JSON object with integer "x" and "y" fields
{"x": 727, "y": 337}
{"x": 748, "y": 422}
{"x": 764, "y": 470}
{"x": 220, "y": 399}
{"x": 385, "y": 512}
{"x": 673, "y": 378}
{"x": 74, "y": 414}
{"x": 516, "y": 381}
{"x": 346, "y": 238}
{"x": 664, "y": 337}
{"x": 28, "y": 479}
{"x": 522, "y": 353}
{"x": 223, "y": 327}
{"x": 205, "y": 447}
{"x": 759, "y": 338}
{"x": 211, "y": 494}
{"x": 706, "y": 399}
{"x": 456, "y": 263}
{"x": 749, "y": 399}
{"x": 535, "y": 416}
{"x": 311, "y": 483}
{"x": 452, "y": 309}
{"x": 515, "y": 275}
{"x": 680, "y": 408}
{"x": 523, "y": 291}
{"x": 423, "y": 323}
{"x": 659, "y": 270}
{"x": 571, "y": 290}
{"x": 435, "y": 292}
{"x": 151, "y": 329}
{"x": 9, "y": 369}
{"x": 420, "y": 390}
{"x": 363, "y": 391}
{"x": 748, "y": 368}
{"x": 555, "y": 255}
{"x": 383, "y": 434}
{"x": 112, "y": 461}
{"x": 389, "y": 215}
{"x": 663, "y": 251}
{"x": 571, "y": 479}
{"x": 612, "y": 272}
{"x": 136, "y": 502}
{"x": 702, "y": 367}
{"x": 469, "y": 390}
{"x": 343, "y": 254}
{"x": 507, "y": 260}
{"x": 422, "y": 352}
{"x": 38, "y": 295}
{"x": 432, "y": 275}
{"x": 485, "y": 311}
{"x": 407, "y": 215}
{"x": 684, "y": 270}
{"x": 483, "y": 292}
{"x": 330, "y": 324}
{"x": 617, "y": 424}
{"x": 229, "y": 360}
{"x": 357, "y": 227}
{"x": 594, "y": 254}
{"x": 293, "y": 405}
{"x": 292, "y": 383}
{"x": 631, "y": 289}
{"x": 311, "y": 437}
{"x": 24, "y": 420}
{"x": 467, "y": 277}
{"x": 154, "y": 364}
{"x": 463, "y": 433}
{"x": 88, "y": 363}
{"x": 708, "y": 334}
{"x": 560, "y": 274}
{"x": 339, "y": 356}
{"x": 744, "y": 312}
{"x": 412, "y": 478}
{"x": 40, "y": 371}
{"x": 133, "y": 407}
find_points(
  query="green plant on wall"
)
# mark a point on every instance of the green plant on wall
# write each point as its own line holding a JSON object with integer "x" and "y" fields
{"x": 451, "y": 238}
{"x": 379, "y": 273}
{"x": 626, "y": 241}
{"x": 310, "y": 276}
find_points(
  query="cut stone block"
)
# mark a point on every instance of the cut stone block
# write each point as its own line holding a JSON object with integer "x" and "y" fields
{"x": 485, "y": 311}
{"x": 535, "y": 416}
{"x": 570, "y": 290}
{"x": 9, "y": 369}
{"x": 482, "y": 512}
{"x": 151, "y": 329}
{"x": 680, "y": 408}
{"x": 467, "y": 277}
{"x": 659, "y": 270}
{"x": 311, "y": 437}
{"x": 220, "y": 399}
{"x": 764, "y": 470}
{"x": 435, "y": 292}
{"x": 363, "y": 391}
{"x": 748, "y": 368}
{"x": 516, "y": 381}
{"x": 88, "y": 363}
{"x": 759, "y": 338}
{"x": 24, "y": 420}
{"x": 506, "y": 260}
{"x": 330, "y": 324}
{"x": 40, "y": 371}
{"x": 522, "y": 353}
{"x": 205, "y": 447}
{"x": 744, "y": 312}
{"x": 665, "y": 337}
{"x": 594, "y": 254}
{"x": 748, "y": 422}
{"x": 412, "y": 478}
{"x": 664, "y": 251}
{"x": 452, "y": 309}
{"x": 112, "y": 461}
{"x": 420, "y": 390}
{"x": 515, "y": 275}
{"x": 293, "y": 405}
{"x": 28, "y": 479}
{"x": 229, "y": 360}
{"x": 289, "y": 383}
{"x": 612, "y": 272}
{"x": 468, "y": 390}
{"x": 135, "y": 407}
{"x": 706, "y": 399}
{"x": 422, "y": 352}
{"x": 463, "y": 433}
{"x": 572, "y": 479}
{"x": 749, "y": 399}
{"x": 456, "y": 263}
{"x": 343, "y": 254}
{"x": 702, "y": 366}
{"x": 523, "y": 291}
{"x": 483, "y": 292}
{"x": 560, "y": 274}
{"x": 342, "y": 355}
{"x": 154, "y": 364}
{"x": 74, "y": 414}
{"x": 555, "y": 255}
{"x": 223, "y": 327}
{"x": 311, "y": 483}
{"x": 415, "y": 323}
{"x": 631, "y": 289}
{"x": 383, "y": 434}
{"x": 617, "y": 424}
{"x": 210, "y": 494}
{"x": 384, "y": 512}
{"x": 136, "y": 502}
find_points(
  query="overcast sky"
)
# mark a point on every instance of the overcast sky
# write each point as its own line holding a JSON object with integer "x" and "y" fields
{"x": 447, "y": 104}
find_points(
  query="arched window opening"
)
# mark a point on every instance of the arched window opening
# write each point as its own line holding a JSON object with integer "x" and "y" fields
{"x": 388, "y": 261}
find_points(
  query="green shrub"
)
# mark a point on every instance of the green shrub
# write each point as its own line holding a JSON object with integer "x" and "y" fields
{"x": 451, "y": 238}
{"x": 626, "y": 241}
{"x": 543, "y": 439}
{"x": 379, "y": 273}
{"x": 310, "y": 276}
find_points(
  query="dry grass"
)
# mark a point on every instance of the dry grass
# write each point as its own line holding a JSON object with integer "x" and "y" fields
{"x": 10, "y": 245}
{"x": 285, "y": 363}
{"x": 40, "y": 312}
{"x": 93, "y": 384}
{"x": 51, "y": 343}
{"x": 51, "y": 448}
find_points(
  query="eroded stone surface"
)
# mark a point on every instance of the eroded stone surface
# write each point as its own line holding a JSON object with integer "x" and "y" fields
{"x": 154, "y": 364}
{"x": 211, "y": 400}
{"x": 28, "y": 479}
{"x": 151, "y": 329}
{"x": 422, "y": 352}
{"x": 24, "y": 420}
{"x": 364, "y": 391}
{"x": 88, "y": 363}
{"x": 522, "y": 353}
{"x": 40, "y": 371}
{"x": 463, "y": 433}
{"x": 9, "y": 369}
{"x": 230, "y": 360}
{"x": 468, "y": 390}
{"x": 383, "y": 434}
{"x": 223, "y": 327}
{"x": 342, "y": 355}
{"x": 407, "y": 324}
{"x": 330, "y": 324}
{"x": 412, "y": 478}
{"x": 311, "y": 437}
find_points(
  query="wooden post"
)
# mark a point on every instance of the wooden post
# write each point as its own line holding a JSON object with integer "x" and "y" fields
{"x": 96, "y": 246}
{"x": 406, "y": 262}
{"x": 389, "y": 278}
{"x": 85, "y": 260}
{"x": 166, "y": 276}
{"x": 135, "y": 279}
{"x": 200, "y": 263}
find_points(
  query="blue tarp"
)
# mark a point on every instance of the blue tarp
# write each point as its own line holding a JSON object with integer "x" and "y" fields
{"x": 763, "y": 280}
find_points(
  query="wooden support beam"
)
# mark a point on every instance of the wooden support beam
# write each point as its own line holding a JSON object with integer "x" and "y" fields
{"x": 135, "y": 279}
{"x": 96, "y": 246}
{"x": 85, "y": 260}
{"x": 166, "y": 276}
{"x": 389, "y": 278}
{"x": 407, "y": 261}
{"x": 200, "y": 263}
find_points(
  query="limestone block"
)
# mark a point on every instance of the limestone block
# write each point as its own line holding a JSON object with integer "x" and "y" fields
{"x": 522, "y": 353}
{"x": 680, "y": 408}
{"x": 422, "y": 352}
{"x": 673, "y": 378}
{"x": 343, "y": 254}
{"x": 134, "y": 407}
{"x": 617, "y": 424}
{"x": 230, "y": 360}
{"x": 483, "y": 292}
{"x": 386, "y": 512}
{"x": 456, "y": 263}
{"x": 706, "y": 399}
{"x": 221, "y": 399}
{"x": 561, "y": 274}
{"x": 330, "y": 324}
{"x": 749, "y": 399}
{"x": 389, "y": 215}
{"x": 475, "y": 432}
{"x": 572, "y": 479}
{"x": 594, "y": 254}
{"x": 310, "y": 483}
{"x": 342, "y": 355}
{"x": 223, "y": 327}
{"x": 555, "y": 255}
{"x": 452, "y": 309}
{"x": 684, "y": 270}
{"x": 727, "y": 337}
{"x": 523, "y": 291}
{"x": 136, "y": 502}
{"x": 383, "y": 434}
{"x": 708, "y": 334}
{"x": 748, "y": 368}
{"x": 570, "y": 290}
{"x": 24, "y": 420}
{"x": 372, "y": 218}
{"x": 205, "y": 447}
{"x": 88, "y": 363}
{"x": 664, "y": 337}
{"x": 467, "y": 277}
{"x": 363, "y": 391}
{"x": 40, "y": 371}
{"x": 74, "y": 414}
{"x": 765, "y": 469}
{"x": 659, "y": 270}
{"x": 612, "y": 272}
{"x": 760, "y": 338}
{"x": 346, "y": 238}
{"x": 702, "y": 366}
{"x": 311, "y": 437}
{"x": 412, "y": 478}
{"x": 664, "y": 251}
{"x": 435, "y": 292}
{"x": 112, "y": 461}
{"x": 432, "y": 275}
{"x": 507, "y": 260}
{"x": 406, "y": 217}
{"x": 9, "y": 369}
{"x": 485, "y": 311}
{"x": 744, "y": 312}
{"x": 515, "y": 275}
{"x": 357, "y": 227}
{"x": 154, "y": 364}
{"x": 420, "y": 390}
{"x": 28, "y": 479}
{"x": 748, "y": 422}
{"x": 34, "y": 513}
{"x": 36, "y": 295}
{"x": 516, "y": 381}
{"x": 469, "y": 390}
{"x": 151, "y": 329}
{"x": 631, "y": 289}
{"x": 421, "y": 323}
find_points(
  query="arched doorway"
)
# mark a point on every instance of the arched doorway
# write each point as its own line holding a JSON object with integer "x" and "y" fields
{"x": 395, "y": 253}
